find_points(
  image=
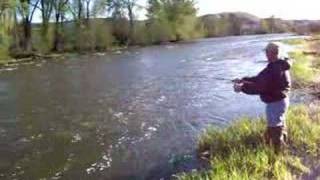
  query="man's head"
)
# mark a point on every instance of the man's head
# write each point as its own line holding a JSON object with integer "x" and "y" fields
{"x": 272, "y": 51}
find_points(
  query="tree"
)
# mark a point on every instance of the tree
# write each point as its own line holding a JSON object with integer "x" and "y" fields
{"x": 87, "y": 7}
{"x": 178, "y": 15}
{"x": 7, "y": 22}
{"x": 45, "y": 7}
{"x": 46, "y": 12}
{"x": 26, "y": 9}
{"x": 272, "y": 24}
{"x": 235, "y": 25}
{"x": 122, "y": 13}
{"x": 130, "y": 5}
{"x": 59, "y": 7}
{"x": 6, "y": 15}
{"x": 81, "y": 9}
{"x": 269, "y": 25}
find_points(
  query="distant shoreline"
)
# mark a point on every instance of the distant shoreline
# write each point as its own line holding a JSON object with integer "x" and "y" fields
{"x": 22, "y": 58}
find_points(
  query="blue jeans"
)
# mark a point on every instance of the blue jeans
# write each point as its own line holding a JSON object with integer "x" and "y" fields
{"x": 276, "y": 113}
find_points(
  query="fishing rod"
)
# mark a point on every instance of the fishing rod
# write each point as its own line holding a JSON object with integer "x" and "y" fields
{"x": 203, "y": 77}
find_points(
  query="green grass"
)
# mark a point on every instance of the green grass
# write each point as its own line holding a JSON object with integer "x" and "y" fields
{"x": 302, "y": 70}
{"x": 238, "y": 152}
{"x": 298, "y": 41}
{"x": 305, "y": 68}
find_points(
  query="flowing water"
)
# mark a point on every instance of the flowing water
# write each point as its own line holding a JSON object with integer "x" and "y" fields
{"x": 132, "y": 114}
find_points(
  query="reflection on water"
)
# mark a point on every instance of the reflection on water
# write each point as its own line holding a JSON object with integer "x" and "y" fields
{"x": 133, "y": 114}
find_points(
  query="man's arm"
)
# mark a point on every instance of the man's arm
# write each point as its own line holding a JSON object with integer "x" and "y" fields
{"x": 246, "y": 85}
{"x": 249, "y": 79}
{"x": 245, "y": 79}
{"x": 263, "y": 82}
{"x": 250, "y": 88}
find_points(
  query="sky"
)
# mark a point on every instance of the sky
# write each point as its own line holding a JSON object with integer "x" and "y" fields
{"x": 284, "y": 9}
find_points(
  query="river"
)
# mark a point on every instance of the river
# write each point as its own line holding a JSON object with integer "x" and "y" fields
{"x": 130, "y": 114}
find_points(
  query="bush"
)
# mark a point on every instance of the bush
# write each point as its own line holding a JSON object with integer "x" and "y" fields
{"x": 160, "y": 32}
{"x": 96, "y": 35}
{"x": 42, "y": 43}
{"x": 139, "y": 36}
{"x": 103, "y": 36}
{"x": 4, "y": 44}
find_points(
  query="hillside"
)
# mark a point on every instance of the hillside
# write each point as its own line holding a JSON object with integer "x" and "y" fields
{"x": 240, "y": 23}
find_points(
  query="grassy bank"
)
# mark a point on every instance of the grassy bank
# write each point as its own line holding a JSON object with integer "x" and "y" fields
{"x": 306, "y": 67}
{"x": 238, "y": 152}
{"x": 303, "y": 71}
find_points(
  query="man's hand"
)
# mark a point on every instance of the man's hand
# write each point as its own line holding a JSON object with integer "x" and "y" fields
{"x": 237, "y": 80}
{"x": 237, "y": 87}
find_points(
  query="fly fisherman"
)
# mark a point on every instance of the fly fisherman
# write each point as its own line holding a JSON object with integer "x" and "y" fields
{"x": 273, "y": 85}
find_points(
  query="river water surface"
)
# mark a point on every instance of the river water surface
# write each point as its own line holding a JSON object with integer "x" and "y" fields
{"x": 132, "y": 114}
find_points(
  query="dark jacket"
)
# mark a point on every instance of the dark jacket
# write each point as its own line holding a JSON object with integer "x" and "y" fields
{"x": 273, "y": 83}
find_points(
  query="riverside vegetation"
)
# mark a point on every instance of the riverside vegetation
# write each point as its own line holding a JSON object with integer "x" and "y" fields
{"x": 100, "y": 25}
{"x": 238, "y": 151}
{"x": 91, "y": 25}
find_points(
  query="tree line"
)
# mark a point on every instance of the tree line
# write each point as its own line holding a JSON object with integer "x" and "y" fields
{"x": 81, "y": 25}
{"x": 98, "y": 25}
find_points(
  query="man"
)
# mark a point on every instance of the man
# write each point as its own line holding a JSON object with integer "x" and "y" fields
{"x": 273, "y": 85}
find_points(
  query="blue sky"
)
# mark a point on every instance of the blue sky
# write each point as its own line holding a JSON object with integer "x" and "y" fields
{"x": 285, "y": 9}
